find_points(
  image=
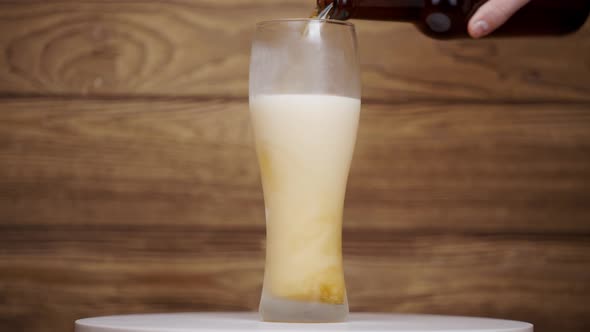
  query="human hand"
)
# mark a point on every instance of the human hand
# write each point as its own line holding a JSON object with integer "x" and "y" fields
{"x": 491, "y": 15}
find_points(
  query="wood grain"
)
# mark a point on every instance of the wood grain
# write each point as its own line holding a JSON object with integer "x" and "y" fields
{"x": 118, "y": 206}
{"x": 60, "y": 273}
{"x": 201, "y": 48}
{"x": 128, "y": 179}
{"x": 467, "y": 167}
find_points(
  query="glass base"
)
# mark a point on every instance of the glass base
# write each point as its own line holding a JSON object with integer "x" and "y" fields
{"x": 274, "y": 309}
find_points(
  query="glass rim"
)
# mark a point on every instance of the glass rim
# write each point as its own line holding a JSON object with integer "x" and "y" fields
{"x": 287, "y": 20}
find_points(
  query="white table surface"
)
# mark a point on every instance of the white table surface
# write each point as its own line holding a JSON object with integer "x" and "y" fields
{"x": 246, "y": 322}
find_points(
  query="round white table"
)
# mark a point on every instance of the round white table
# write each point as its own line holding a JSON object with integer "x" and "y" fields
{"x": 247, "y": 322}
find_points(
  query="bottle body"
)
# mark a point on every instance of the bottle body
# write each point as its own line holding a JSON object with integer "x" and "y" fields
{"x": 447, "y": 19}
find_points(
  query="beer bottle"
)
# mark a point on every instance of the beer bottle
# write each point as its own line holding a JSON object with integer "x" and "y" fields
{"x": 447, "y": 19}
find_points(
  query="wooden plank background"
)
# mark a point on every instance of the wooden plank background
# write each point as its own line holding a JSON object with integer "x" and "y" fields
{"x": 128, "y": 179}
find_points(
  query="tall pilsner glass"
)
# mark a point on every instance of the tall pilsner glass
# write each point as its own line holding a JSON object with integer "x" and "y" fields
{"x": 304, "y": 105}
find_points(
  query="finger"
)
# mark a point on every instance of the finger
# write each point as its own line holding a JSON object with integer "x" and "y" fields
{"x": 492, "y": 15}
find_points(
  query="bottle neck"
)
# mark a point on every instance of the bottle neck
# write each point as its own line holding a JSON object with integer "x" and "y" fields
{"x": 384, "y": 10}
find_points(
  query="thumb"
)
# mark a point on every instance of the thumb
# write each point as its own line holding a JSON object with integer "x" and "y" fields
{"x": 492, "y": 15}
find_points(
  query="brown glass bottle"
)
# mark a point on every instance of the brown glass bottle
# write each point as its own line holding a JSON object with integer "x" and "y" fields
{"x": 446, "y": 19}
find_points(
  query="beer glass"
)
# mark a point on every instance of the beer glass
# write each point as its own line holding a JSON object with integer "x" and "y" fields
{"x": 304, "y": 106}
